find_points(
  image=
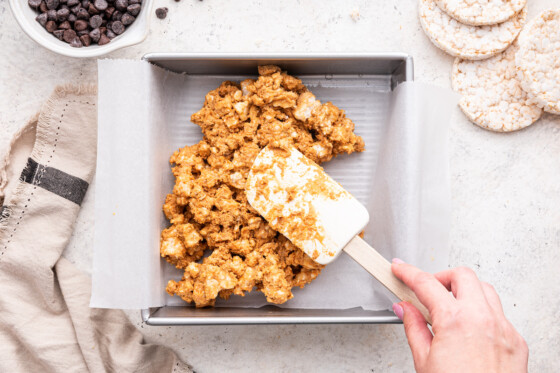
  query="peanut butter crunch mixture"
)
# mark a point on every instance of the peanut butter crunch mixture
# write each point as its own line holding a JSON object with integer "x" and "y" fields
{"x": 208, "y": 209}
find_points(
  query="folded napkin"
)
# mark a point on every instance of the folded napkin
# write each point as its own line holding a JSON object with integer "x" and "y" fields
{"x": 45, "y": 322}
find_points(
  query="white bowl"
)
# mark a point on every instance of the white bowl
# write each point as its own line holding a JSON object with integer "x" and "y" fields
{"x": 133, "y": 34}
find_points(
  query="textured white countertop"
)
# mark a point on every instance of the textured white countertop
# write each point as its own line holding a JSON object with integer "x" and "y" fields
{"x": 505, "y": 187}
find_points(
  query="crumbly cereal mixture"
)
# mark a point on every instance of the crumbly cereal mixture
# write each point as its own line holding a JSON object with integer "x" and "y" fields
{"x": 208, "y": 209}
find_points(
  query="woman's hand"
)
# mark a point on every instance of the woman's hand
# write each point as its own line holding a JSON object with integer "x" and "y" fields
{"x": 470, "y": 330}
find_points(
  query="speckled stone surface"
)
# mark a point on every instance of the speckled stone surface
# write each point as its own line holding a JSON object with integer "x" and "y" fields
{"x": 505, "y": 187}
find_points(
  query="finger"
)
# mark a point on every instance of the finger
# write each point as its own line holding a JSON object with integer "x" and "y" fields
{"x": 428, "y": 289}
{"x": 445, "y": 281}
{"x": 492, "y": 298}
{"x": 463, "y": 283}
{"x": 417, "y": 333}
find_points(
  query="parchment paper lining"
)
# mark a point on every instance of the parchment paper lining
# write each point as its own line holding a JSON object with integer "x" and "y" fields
{"x": 402, "y": 177}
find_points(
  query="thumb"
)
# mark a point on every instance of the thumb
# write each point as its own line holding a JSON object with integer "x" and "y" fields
{"x": 417, "y": 332}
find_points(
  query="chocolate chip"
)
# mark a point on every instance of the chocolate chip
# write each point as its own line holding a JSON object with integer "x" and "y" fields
{"x": 86, "y": 40}
{"x": 117, "y": 15}
{"x": 64, "y": 25}
{"x": 134, "y": 9}
{"x": 82, "y": 14}
{"x": 121, "y": 5}
{"x": 76, "y": 9}
{"x": 92, "y": 9}
{"x": 51, "y": 15}
{"x": 62, "y": 14}
{"x": 103, "y": 40}
{"x": 95, "y": 34}
{"x": 118, "y": 27}
{"x": 80, "y": 25}
{"x": 95, "y": 21}
{"x": 161, "y": 13}
{"x": 43, "y": 7}
{"x": 50, "y": 26}
{"x": 134, "y": 1}
{"x": 111, "y": 34}
{"x": 69, "y": 35}
{"x": 42, "y": 19}
{"x": 76, "y": 43}
{"x": 58, "y": 34}
{"x": 127, "y": 19}
{"x": 109, "y": 12}
{"x": 109, "y": 25}
{"x": 72, "y": 3}
{"x": 72, "y": 18}
{"x": 85, "y": 3}
{"x": 101, "y": 4}
{"x": 34, "y": 4}
{"x": 52, "y": 4}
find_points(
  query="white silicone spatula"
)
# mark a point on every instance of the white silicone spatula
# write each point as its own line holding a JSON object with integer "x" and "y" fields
{"x": 313, "y": 211}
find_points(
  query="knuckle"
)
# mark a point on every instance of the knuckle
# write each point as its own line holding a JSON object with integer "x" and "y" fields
{"x": 517, "y": 339}
{"x": 484, "y": 319}
{"x": 488, "y": 286}
{"x": 423, "y": 278}
{"x": 523, "y": 346}
{"x": 447, "y": 317}
{"x": 468, "y": 316}
{"x": 516, "y": 342}
{"x": 409, "y": 328}
{"x": 465, "y": 272}
{"x": 488, "y": 322}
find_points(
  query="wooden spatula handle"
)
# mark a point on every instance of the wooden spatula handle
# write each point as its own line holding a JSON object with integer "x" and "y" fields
{"x": 380, "y": 268}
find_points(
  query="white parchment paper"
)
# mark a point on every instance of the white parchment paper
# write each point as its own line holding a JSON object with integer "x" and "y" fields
{"x": 402, "y": 178}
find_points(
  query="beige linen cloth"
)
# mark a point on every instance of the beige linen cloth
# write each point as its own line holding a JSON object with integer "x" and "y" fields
{"x": 46, "y": 324}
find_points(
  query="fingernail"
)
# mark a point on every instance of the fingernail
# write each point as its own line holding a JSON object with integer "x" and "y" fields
{"x": 397, "y": 261}
{"x": 398, "y": 310}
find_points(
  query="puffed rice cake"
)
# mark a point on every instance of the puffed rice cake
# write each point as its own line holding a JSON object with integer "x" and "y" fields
{"x": 492, "y": 97}
{"x": 538, "y": 60}
{"x": 481, "y": 12}
{"x": 464, "y": 41}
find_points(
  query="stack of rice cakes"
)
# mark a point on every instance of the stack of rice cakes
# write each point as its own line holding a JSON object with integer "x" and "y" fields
{"x": 505, "y": 83}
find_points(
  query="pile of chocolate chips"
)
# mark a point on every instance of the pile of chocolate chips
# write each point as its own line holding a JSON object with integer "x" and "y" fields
{"x": 83, "y": 22}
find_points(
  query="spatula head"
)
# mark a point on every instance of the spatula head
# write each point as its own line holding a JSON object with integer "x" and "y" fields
{"x": 302, "y": 202}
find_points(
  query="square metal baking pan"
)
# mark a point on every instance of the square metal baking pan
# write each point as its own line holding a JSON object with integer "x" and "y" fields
{"x": 390, "y": 69}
